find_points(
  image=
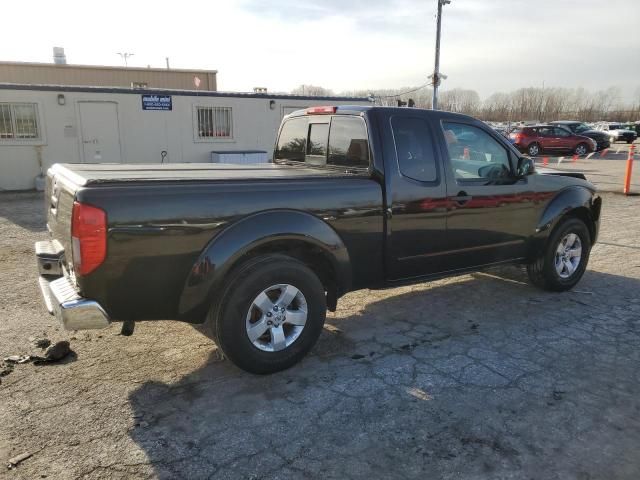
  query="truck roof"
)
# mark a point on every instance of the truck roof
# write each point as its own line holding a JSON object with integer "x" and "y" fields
{"x": 359, "y": 109}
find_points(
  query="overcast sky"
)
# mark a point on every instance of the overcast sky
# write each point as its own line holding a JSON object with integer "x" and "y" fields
{"x": 487, "y": 45}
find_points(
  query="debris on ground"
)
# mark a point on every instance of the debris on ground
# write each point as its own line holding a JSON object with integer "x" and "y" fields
{"x": 41, "y": 343}
{"x": 53, "y": 353}
{"x": 15, "y": 461}
{"x": 5, "y": 369}
{"x": 17, "y": 359}
{"x": 57, "y": 351}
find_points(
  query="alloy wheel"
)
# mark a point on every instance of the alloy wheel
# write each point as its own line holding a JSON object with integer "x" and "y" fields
{"x": 276, "y": 317}
{"x": 568, "y": 255}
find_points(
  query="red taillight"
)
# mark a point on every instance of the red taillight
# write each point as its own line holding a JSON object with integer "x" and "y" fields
{"x": 89, "y": 237}
{"x": 321, "y": 110}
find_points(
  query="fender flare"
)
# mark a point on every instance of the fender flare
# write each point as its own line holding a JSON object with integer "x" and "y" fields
{"x": 252, "y": 232}
{"x": 567, "y": 200}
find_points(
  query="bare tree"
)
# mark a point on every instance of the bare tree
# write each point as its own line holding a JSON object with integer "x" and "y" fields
{"x": 460, "y": 100}
{"x": 523, "y": 104}
{"x": 312, "y": 91}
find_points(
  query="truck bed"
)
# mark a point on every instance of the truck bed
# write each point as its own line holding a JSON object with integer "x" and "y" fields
{"x": 82, "y": 174}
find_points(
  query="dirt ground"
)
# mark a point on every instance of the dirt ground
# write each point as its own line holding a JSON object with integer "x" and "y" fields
{"x": 476, "y": 377}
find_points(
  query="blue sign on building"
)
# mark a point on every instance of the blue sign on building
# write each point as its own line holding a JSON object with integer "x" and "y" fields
{"x": 156, "y": 102}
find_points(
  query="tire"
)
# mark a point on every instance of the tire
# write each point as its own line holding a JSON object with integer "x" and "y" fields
{"x": 543, "y": 271}
{"x": 264, "y": 280}
{"x": 534, "y": 149}
{"x": 581, "y": 149}
{"x": 629, "y": 141}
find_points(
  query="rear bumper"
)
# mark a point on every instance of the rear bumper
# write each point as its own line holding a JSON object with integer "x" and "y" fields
{"x": 60, "y": 296}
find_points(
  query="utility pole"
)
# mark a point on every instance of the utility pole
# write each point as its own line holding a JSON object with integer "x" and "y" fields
{"x": 436, "y": 71}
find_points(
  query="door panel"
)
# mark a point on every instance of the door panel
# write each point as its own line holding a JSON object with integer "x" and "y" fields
{"x": 490, "y": 215}
{"x": 100, "y": 132}
{"x": 417, "y": 204}
{"x": 548, "y": 139}
{"x": 564, "y": 138}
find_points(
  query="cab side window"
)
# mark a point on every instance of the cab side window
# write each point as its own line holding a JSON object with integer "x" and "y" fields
{"x": 474, "y": 154}
{"x": 414, "y": 148}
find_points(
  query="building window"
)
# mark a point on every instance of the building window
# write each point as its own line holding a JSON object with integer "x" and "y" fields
{"x": 214, "y": 122}
{"x": 19, "y": 121}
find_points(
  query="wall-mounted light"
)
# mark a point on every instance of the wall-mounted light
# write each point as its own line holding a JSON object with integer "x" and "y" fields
{"x": 61, "y": 99}
{"x": 272, "y": 104}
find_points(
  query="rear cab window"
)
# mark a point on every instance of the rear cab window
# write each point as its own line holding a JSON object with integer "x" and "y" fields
{"x": 292, "y": 143}
{"x": 337, "y": 141}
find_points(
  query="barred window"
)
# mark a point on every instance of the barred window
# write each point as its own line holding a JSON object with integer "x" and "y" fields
{"x": 214, "y": 122}
{"x": 19, "y": 121}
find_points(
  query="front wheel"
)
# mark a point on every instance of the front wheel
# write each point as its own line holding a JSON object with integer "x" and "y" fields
{"x": 563, "y": 261}
{"x": 581, "y": 149}
{"x": 270, "y": 315}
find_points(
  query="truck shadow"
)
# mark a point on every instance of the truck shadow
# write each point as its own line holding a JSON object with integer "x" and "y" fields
{"x": 440, "y": 377}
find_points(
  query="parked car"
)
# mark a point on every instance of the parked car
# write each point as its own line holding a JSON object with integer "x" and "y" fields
{"x": 580, "y": 128}
{"x": 501, "y": 131}
{"x": 618, "y": 132}
{"x": 357, "y": 197}
{"x": 539, "y": 139}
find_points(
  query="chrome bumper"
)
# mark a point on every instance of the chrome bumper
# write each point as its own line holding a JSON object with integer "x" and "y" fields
{"x": 62, "y": 299}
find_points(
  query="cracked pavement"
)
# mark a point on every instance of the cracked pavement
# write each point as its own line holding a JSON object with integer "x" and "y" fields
{"x": 479, "y": 376}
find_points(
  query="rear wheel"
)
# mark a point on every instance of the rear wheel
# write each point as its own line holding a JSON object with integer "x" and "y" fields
{"x": 533, "y": 149}
{"x": 270, "y": 314}
{"x": 563, "y": 261}
{"x": 581, "y": 149}
{"x": 629, "y": 141}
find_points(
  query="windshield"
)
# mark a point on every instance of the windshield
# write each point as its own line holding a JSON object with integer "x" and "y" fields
{"x": 581, "y": 127}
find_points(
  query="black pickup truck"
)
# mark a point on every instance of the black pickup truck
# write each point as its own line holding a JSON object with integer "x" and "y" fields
{"x": 356, "y": 197}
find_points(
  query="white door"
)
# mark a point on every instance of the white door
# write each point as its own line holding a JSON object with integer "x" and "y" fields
{"x": 100, "y": 134}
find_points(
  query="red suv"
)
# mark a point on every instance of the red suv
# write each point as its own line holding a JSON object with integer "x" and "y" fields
{"x": 537, "y": 139}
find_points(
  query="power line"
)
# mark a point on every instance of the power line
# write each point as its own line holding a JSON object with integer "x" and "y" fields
{"x": 403, "y": 93}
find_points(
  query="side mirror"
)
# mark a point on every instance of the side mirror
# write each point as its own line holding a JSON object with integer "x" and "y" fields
{"x": 526, "y": 166}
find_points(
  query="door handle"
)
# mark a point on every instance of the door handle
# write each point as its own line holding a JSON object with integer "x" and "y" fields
{"x": 461, "y": 198}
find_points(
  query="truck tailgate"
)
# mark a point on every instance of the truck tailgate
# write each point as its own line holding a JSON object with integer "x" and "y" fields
{"x": 59, "y": 197}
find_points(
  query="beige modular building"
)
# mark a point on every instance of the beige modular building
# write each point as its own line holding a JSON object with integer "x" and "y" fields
{"x": 106, "y": 76}
{"x": 45, "y": 124}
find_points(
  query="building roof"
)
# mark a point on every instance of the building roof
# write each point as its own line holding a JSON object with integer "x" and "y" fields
{"x": 176, "y": 92}
{"x": 105, "y": 67}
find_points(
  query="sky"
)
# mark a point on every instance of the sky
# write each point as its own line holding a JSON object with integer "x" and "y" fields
{"x": 487, "y": 45}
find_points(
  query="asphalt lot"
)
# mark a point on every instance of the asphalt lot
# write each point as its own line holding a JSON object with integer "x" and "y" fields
{"x": 476, "y": 377}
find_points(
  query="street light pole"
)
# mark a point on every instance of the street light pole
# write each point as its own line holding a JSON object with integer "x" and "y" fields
{"x": 436, "y": 70}
{"x": 125, "y": 56}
